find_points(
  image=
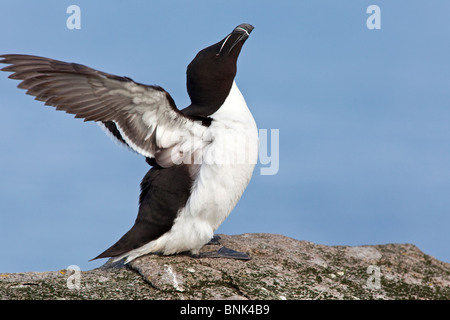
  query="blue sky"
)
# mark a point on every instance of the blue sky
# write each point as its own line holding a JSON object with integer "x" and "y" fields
{"x": 363, "y": 118}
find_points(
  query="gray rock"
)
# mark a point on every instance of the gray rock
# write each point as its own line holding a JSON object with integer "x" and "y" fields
{"x": 280, "y": 268}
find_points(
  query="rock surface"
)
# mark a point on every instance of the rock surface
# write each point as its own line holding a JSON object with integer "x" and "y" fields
{"x": 280, "y": 268}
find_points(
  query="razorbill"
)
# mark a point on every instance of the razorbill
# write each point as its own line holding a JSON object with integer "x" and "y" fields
{"x": 202, "y": 157}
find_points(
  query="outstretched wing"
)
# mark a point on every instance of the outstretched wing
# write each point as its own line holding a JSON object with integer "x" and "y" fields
{"x": 143, "y": 117}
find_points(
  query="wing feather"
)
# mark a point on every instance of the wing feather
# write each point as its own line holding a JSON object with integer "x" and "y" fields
{"x": 145, "y": 116}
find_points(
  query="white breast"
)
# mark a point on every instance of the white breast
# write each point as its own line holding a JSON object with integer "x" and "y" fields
{"x": 228, "y": 162}
{"x": 224, "y": 173}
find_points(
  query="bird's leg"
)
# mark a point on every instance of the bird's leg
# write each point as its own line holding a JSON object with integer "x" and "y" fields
{"x": 223, "y": 252}
{"x": 214, "y": 240}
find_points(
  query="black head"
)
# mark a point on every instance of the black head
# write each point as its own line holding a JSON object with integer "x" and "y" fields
{"x": 210, "y": 75}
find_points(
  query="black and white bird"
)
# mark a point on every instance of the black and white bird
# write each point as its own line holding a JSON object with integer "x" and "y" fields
{"x": 202, "y": 157}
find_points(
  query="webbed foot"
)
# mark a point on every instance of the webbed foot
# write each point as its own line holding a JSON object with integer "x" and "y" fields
{"x": 226, "y": 253}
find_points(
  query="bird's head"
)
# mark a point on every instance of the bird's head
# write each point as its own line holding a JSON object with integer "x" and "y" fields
{"x": 211, "y": 74}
